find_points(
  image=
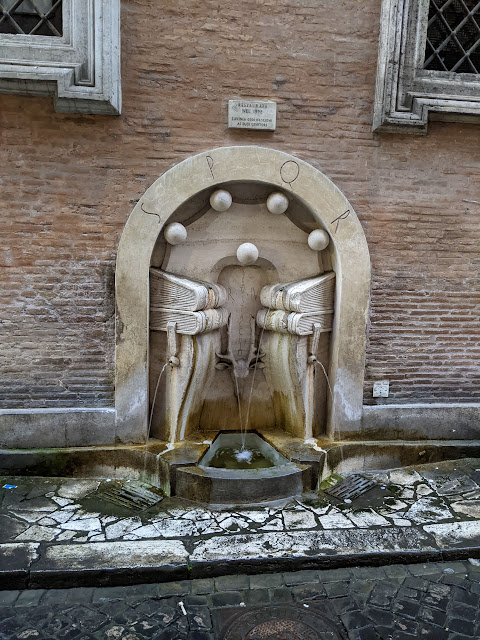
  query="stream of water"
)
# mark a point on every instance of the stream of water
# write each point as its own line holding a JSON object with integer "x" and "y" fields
{"x": 331, "y": 396}
{"x": 244, "y": 454}
{"x": 151, "y": 415}
{"x": 326, "y": 377}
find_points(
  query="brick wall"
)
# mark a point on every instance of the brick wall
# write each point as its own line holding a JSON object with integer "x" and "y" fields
{"x": 68, "y": 184}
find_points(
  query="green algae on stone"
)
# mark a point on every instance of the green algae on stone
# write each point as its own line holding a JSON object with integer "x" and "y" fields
{"x": 330, "y": 482}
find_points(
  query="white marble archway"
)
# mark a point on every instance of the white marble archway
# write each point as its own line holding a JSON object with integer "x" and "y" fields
{"x": 249, "y": 164}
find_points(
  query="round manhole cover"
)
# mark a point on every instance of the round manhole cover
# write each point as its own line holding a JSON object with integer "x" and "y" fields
{"x": 282, "y": 623}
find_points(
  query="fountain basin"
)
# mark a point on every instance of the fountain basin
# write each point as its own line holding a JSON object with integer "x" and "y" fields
{"x": 160, "y": 464}
{"x": 274, "y": 477}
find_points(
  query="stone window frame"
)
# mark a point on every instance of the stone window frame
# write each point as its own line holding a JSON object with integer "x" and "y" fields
{"x": 406, "y": 93}
{"x": 80, "y": 70}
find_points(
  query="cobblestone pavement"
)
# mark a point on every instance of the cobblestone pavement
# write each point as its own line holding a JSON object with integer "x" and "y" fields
{"x": 57, "y": 532}
{"x": 436, "y": 601}
{"x": 64, "y": 510}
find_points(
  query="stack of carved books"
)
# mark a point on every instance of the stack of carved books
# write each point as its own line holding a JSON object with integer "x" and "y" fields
{"x": 295, "y": 307}
{"x": 195, "y": 306}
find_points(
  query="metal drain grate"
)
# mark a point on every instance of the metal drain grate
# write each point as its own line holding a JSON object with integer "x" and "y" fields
{"x": 131, "y": 496}
{"x": 273, "y": 629}
{"x": 282, "y": 623}
{"x": 350, "y": 488}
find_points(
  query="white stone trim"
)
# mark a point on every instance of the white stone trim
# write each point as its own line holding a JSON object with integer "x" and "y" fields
{"x": 435, "y": 421}
{"x": 61, "y": 427}
{"x": 405, "y": 92}
{"x": 80, "y": 70}
{"x": 87, "y": 426}
{"x": 208, "y": 169}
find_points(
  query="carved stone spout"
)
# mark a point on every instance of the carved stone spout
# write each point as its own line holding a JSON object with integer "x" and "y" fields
{"x": 241, "y": 366}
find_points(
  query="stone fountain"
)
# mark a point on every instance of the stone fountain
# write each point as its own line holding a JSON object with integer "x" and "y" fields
{"x": 243, "y": 275}
{"x": 241, "y": 310}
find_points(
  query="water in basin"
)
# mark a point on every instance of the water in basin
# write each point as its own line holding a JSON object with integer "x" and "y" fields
{"x": 234, "y": 458}
{"x": 237, "y": 451}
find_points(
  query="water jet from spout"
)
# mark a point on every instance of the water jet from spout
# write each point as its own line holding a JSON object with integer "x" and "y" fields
{"x": 147, "y": 435}
{"x": 326, "y": 377}
{"x": 331, "y": 396}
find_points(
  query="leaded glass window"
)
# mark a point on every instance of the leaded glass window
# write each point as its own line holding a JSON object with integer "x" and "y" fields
{"x": 31, "y": 17}
{"x": 453, "y": 36}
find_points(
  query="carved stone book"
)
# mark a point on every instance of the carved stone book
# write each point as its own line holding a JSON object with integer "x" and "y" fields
{"x": 300, "y": 324}
{"x": 312, "y": 294}
{"x": 188, "y": 322}
{"x": 169, "y": 291}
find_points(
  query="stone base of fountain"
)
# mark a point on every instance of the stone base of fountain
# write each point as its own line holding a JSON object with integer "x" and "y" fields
{"x": 228, "y": 474}
{"x": 164, "y": 465}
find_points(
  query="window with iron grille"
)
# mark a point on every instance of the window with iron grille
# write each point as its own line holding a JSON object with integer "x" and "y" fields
{"x": 31, "y": 17}
{"x": 453, "y": 36}
{"x": 67, "y": 49}
{"x": 428, "y": 64}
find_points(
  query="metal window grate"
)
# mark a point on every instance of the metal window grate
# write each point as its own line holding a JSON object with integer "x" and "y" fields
{"x": 453, "y": 36}
{"x": 31, "y": 17}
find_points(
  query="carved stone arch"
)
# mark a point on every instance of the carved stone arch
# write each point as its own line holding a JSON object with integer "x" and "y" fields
{"x": 329, "y": 207}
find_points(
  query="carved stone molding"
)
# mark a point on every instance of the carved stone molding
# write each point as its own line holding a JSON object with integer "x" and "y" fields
{"x": 406, "y": 92}
{"x": 80, "y": 70}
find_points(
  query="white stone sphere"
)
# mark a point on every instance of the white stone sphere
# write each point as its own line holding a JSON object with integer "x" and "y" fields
{"x": 247, "y": 253}
{"x": 220, "y": 200}
{"x": 277, "y": 202}
{"x": 318, "y": 240}
{"x": 175, "y": 233}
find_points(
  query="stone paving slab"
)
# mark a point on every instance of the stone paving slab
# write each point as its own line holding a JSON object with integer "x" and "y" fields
{"x": 109, "y": 563}
{"x": 60, "y": 531}
{"x": 15, "y": 562}
{"x": 435, "y": 601}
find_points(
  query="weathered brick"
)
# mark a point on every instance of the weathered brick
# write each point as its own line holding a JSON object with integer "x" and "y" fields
{"x": 69, "y": 183}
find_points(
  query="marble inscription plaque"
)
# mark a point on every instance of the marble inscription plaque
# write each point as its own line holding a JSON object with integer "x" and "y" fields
{"x": 252, "y": 114}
